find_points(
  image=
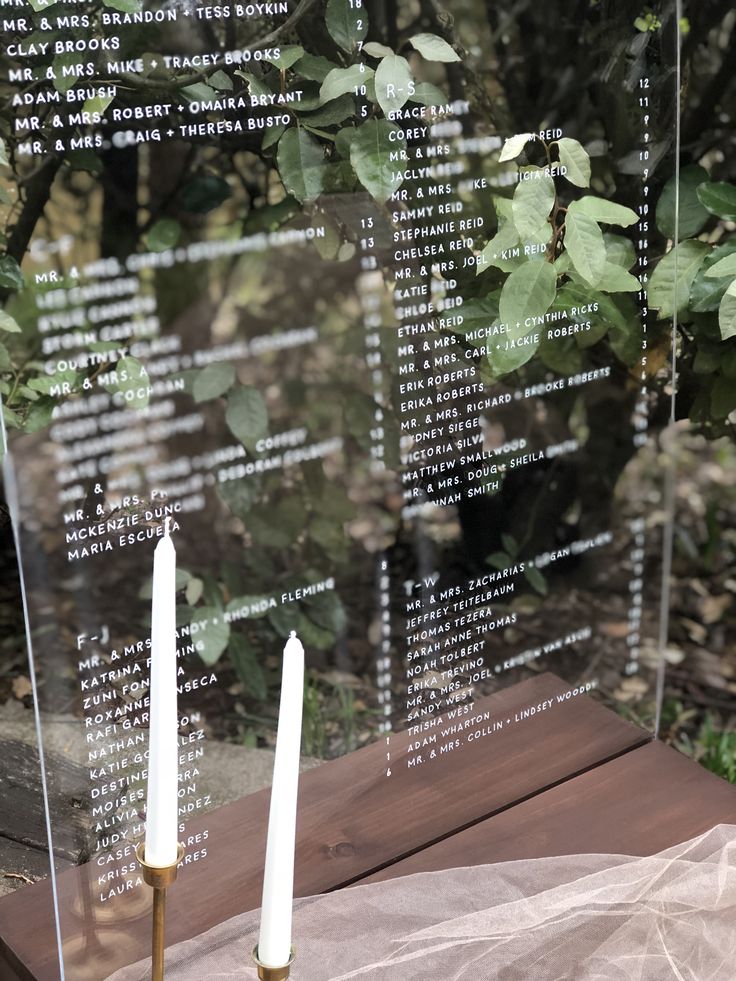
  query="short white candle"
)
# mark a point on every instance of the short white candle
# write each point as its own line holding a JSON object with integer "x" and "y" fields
{"x": 274, "y": 941}
{"x": 162, "y": 804}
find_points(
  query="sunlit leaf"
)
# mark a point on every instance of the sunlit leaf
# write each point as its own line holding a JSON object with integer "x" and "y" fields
{"x": 576, "y": 159}
{"x": 584, "y": 244}
{"x": 514, "y": 145}
{"x": 370, "y": 156}
{"x": 533, "y": 200}
{"x": 433, "y": 48}
{"x": 163, "y": 235}
{"x": 607, "y": 212}
{"x": 394, "y": 83}
{"x": 666, "y": 293}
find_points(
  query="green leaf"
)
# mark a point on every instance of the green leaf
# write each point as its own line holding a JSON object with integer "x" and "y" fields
{"x": 7, "y": 323}
{"x": 510, "y": 544}
{"x": 314, "y": 68}
{"x": 533, "y": 200}
{"x": 199, "y": 92}
{"x": 394, "y": 83}
{"x": 4, "y": 162}
{"x": 496, "y": 252}
{"x": 523, "y": 345}
{"x": 536, "y": 580}
{"x": 204, "y": 193}
{"x": 256, "y": 86}
{"x": 5, "y": 363}
{"x": 213, "y": 381}
{"x": 527, "y": 293}
{"x": 62, "y": 82}
{"x": 126, "y": 6}
{"x": 238, "y": 495}
{"x": 514, "y": 145}
{"x": 271, "y": 216}
{"x": 284, "y": 619}
{"x": 301, "y": 164}
{"x": 258, "y": 606}
{"x": 615, "y": 279}
{"x": 39, "y": 415}
{"x": 376, "y": 50}
{"x": 584, "y": 244}
{"x": 342, "y": 80}
{"x": 247, "y": 415}
{"x": 213, "y": 639}
{"x": 625, "y": 334}
{"x": 327, "y": 611}
{"x": 619, "y": 250}
{"x": 220, "y": 80}
{"x": 245, "y": 661}
{"x": 331, "y": 113}
{"x": 370, "y": 156}
{"x": 724, "y": 267}
{"x": 727, "y": 313}
{"x": 692, "y": 213}
{"x": 46, "y": 383}
{"x": 313, "y": 636}
{"x": 346, "y": 24}
{"x": 11, "y": 278}
{"x": 11, "y": 418}
{"x": 131, "y": 378}
{"x": 427, "y": 94}
{"x": 433, "y": 48}
{"x": 719, "y": 198}
{"x": 289, "y": 54}
{"x": 607, "y": 212}
{"x": 576, "y": 159}
{"x": 664, "y": 292}
{"x": 193, "y": 590}
{"x": 707, "y": 292}
{"x": 277, "y": 525}
{"x": 97, "y": 104}
{"x": 163, "y": 235}
{"x": 272, "y": 135}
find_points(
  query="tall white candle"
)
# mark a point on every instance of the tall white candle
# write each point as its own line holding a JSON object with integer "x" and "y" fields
{"x": 162, "y": 804}
{"x": 274, "y": 941}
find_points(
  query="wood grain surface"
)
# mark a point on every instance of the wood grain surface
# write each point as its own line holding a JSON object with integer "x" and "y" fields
{"x": 639, "y": 804}
{"x": 353, "y": 822}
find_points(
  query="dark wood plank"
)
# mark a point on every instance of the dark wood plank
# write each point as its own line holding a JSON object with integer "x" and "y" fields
{"x": 639, "y": 804}
{"x": 353, "y": 819}
{"x": 20, "y": 860}
{"x": 22, "y": 814}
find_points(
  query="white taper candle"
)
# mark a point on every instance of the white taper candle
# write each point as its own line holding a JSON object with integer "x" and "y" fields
{"x": 274, "y": 941}
{"x": 162, "y": 804}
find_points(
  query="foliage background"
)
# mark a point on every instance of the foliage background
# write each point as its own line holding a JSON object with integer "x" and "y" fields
{"x": 242, "y": 184}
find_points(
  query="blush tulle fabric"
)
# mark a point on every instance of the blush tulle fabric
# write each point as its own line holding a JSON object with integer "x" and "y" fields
{"x": 573, "y": 918}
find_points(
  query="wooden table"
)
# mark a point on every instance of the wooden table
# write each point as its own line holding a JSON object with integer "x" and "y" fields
{"x": 574, "y": 778}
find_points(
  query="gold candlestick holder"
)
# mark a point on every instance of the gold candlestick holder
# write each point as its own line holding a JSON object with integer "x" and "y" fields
{"x": 159, "y": 879}
{"x": 266, "y": 973}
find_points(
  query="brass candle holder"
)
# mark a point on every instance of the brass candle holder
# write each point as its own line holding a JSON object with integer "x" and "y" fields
{"x": 159, "y": 879}
{"x": 266, "y": 973}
